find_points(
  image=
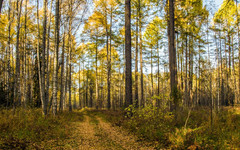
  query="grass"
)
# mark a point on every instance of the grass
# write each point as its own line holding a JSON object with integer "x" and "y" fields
{"x": 103, "y": 137}
{"x": 29, "y": 129}
{"x": 164, "y": 131}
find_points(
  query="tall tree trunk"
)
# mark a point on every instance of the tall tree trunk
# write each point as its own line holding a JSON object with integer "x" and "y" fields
{"x": 17, "y": 93}
{"x": 25, "y": 56}
{"x": 70, "y": 56}
{"x": 222, "y": 80}
{"x": 152, "y": 72}
{"x": 172, "y": 56}
{"x": 123, "y": 77}
{"x": 86, "y": 91}
{"x": 84, "y": 85}
{"x": 199, "y": 75}
{"x": 141, "y": 55}
{"x": 158, "y": 74}
{"x": 110, "y": 54}
{"x": 190, "y": 68}
{"x": 108, "y": 75}
{"x": 96, "y": 84}
{"x": 178, "y": 60}
{"x": 62, "y": 76}
{"x": 120, "y": 86}
{"x": 136, "y": 62}
{"x": 44, "y": 104}
{"x": 128, "y": 54}
{"x": 101, "y": 101}
{"x": 38, "y": 59}
{"x": 66, "y": 80}
{"x": 234, "y": 73}
{"x": 238, "y": 35}
{"x": 186, "y": 73}
{"x": 74, "y": 99}
{"x": 48, "y": 67}
{"x": 181, "y": 59}
{"x": 1, "y": 3}
{"x": 9, "y": 52}
{"x": 55, "y": 72}
{"x": 79, "y": 90}
{"x": 229, "y": 69}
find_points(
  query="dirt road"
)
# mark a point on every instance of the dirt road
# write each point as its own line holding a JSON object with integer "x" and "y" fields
{"x": 94, "y": 133}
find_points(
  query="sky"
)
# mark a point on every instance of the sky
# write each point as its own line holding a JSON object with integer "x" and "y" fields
{"x": 218, "y": 2}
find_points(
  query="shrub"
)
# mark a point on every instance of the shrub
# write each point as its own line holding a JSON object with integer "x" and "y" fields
{"x": 159, "y": 126}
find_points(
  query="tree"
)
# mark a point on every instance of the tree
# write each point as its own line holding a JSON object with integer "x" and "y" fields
{"x": 154, "y": 36}
{"x": 55, "y": 73}
{"x": 172, "y": 54}
{"x": 128, "y": 54}
{"x": 136, "y": 59}
{"x": 44, "y": 102}
{"x": 17, "y": 92}
{"x": 70, "y": 4}
{"x": 62, "y": 89}
{"x": 1, "y": 3}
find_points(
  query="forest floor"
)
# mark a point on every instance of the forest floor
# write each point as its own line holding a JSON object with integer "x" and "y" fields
{"x": 144, "y": 129}
{"x": 95, "y": 133}
{"x": 77, "y": 130}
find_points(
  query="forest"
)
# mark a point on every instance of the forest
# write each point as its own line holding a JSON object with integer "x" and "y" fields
{"x": 119, "y": 74}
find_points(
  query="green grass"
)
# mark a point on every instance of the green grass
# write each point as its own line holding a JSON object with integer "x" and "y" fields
{"x": 164, "y": 131}
{"x": 29, "y": 129}
{"x": 104, "y": 139}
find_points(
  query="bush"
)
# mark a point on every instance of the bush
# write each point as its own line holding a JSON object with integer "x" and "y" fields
{"x": 159, "y": 126}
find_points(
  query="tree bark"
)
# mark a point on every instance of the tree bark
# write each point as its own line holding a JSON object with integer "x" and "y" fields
{"x": 186, "y": 73}
{"x": 152, "y": 90}
{"x": 110, "y": 57}
{"x": 38, "y": 59}
{"x": 9, "y": 52}
{"x": 128, "y": 54}
{"x": 238, "y": 52}
{"x": 79, "y": 90}
{"x": 1, "y": 2}
{"x": 96, "y": 84}
{"x": 17, "y": 93}
{"x": 70, "y": 57}
{"x": 108, "y": 75}
{"x": 136, "y": 62}
{"x": 62, "y": 75}
{"x": 172, "y": 56}
{"x": 55, "y": 72}
{"x": 25, "y": 57}
{"x": 44, "y": 104}
{"x": 48, "y": 67}
{"x": 141, "y": 55}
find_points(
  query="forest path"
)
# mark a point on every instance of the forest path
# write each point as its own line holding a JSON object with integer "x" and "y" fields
{"x": 94, "y": 133}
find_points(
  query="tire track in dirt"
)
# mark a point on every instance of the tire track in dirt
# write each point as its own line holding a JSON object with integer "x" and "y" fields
{"x": 84, "y": 136}
{"x": 121, "y": 137}
{"x": 93, "y": 133}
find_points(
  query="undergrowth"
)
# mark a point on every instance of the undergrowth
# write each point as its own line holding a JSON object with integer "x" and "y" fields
{"x": 29, "y": 129}
{"x": 165, "y": 130}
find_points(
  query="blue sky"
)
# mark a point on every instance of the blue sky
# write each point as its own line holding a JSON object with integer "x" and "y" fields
{"x": 218, "y": 3}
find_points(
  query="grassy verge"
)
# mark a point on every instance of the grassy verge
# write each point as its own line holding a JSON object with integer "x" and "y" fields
{"x": 162, "y": 128}
{"x": 28, "y": 129}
